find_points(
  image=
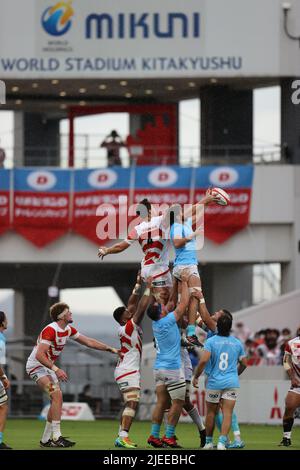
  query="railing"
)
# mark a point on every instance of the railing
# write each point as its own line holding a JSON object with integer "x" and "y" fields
{"x": 89, "y": 154}
{"x": 82, "y": 366}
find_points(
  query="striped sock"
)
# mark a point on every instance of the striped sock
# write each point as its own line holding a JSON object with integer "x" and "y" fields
{"x": 209, "y": 439}
{"x": 170, "y": 431}
{"x": 155, "y": 430}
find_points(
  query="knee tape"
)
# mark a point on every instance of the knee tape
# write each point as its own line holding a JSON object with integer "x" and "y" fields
{"x": 133, "y": 395}
{"x": 51, "y": 388}
{"x": 194, "y": 289}
{"x": 129, "y": 412}
{"x": 177, "y": 390}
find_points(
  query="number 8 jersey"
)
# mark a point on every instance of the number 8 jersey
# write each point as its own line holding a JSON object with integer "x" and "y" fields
{"x": 221, "y": 369}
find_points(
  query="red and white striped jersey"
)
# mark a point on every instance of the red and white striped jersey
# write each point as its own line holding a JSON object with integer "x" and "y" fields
{"x": 293, "y": 349}
{"x": 56, "y": 338}
{"x": 150, "y": 237}
{"x": 131, "y": 346}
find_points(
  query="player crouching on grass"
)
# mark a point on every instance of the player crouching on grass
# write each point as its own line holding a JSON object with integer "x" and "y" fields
{"x": 127, "y": 372}
{"x": 41, "y": 368}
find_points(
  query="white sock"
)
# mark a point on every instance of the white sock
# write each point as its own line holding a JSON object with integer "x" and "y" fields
{"x": 237, "y": 436}
{"x": 123, "y": 434}
{"x": 56, "y": 430}
{"x": 194, "y": 414}
{"x": 47, "y": 432}
{"x": 287, "y": 434}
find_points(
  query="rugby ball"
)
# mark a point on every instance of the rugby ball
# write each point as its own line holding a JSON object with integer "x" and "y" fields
{"x": 221, "y": 195}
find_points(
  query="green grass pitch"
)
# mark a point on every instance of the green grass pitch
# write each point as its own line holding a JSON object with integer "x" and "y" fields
{"x": 26, "y": 434}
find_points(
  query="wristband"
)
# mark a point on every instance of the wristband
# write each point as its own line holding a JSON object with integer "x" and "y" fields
{"x": 3, "y": 377}
{"x": 202, "y": 301}
{"x": 54, "y": 368}
{"x": 147, "y": 291}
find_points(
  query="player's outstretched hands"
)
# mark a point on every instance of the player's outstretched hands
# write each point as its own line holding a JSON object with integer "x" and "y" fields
{"x": 195, "y": 382}
{"x": 209, "y": 198}
{"x": 102, "y": 251}
{"x": 61, "y": 375}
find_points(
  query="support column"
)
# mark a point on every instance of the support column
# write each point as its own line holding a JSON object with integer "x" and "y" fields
{"x": 36, "y": 311}
{"x": 290, "y": 124}
{"x": 227, "y": 286}
{"x": 226, "y": 125}
{"x": 290, "y": 272}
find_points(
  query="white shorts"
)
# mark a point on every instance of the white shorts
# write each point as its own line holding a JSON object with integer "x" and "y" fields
{"x": 179, "y": 268}
{"x": 174, "y": 380}
{"x": 295, "y": 390}
{"x": 160, "y": 273}
{"x": 214, "y": 396}
{"x": 3, "y": 395}
{"x": 127, "y": 379}
{"x": 36, "y": 371}
{"x": 187, "y": 365}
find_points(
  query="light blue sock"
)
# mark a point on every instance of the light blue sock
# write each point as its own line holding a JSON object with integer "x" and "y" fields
{"x": 234, "y": 423}
{"x": 223, "y": 439}
{"x": 155, "y": 430}
{"x": 219, "y": 420}
{"x": 170, "y": 431}
{"x": 191, "y": 330}
{"x": 1, "y": 437}
{"x": 209, "y": 439}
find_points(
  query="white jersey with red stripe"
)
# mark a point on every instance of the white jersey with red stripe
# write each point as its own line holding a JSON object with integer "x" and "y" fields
{"x": 150, "y": 237}
{"x": 131, "y": 347}
{"x": 293, "y": 349}
{"x": 56, "y": 338}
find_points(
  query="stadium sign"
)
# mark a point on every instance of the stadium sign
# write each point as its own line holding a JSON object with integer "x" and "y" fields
{"x": 64, "y": 39}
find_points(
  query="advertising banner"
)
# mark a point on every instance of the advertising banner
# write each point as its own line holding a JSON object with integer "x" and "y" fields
{"x": 41, "y": 204}
{"x": 100, "y": 202}
{"x": 4, "y": 200}
{"x": 221, "y": 222}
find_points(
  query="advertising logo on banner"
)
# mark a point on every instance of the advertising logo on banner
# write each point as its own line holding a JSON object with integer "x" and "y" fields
{"x": 163, "y": 185}
{"x": 100, "y": 202}
{"x": 4, "y": 200}
{"x": 41, "y": 204}
{"x": 221, "y": 222}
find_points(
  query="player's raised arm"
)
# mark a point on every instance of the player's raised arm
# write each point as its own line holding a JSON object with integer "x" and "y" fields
{"x": 184, "y": 300}
{"x": 143, "y": 303}
{"x": 95, "y": 344}
{"x": 204, "y": 313}
{"x": 135, "y": 295}
{"x": 118, "y": 247}
{"x": 42, "y": 357}
{"x": 111, "y": 250}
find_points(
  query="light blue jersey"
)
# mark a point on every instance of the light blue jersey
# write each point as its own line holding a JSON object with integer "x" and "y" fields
{"x": 167, "y": 340}
{"x": 185, "y": 255}
{"x": 221, "y": 368}
{"x": 2, "y": 349}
